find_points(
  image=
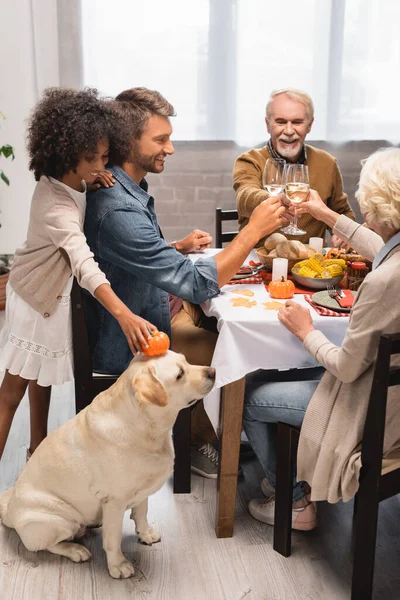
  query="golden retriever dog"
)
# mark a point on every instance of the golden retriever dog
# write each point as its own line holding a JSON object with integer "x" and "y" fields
{"x": 107, "y": 459}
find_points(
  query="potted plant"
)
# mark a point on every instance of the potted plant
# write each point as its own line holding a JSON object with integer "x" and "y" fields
{"x": 6, "y": 151}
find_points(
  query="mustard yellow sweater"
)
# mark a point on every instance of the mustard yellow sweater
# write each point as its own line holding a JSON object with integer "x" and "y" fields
{"x": 324, "y": 175}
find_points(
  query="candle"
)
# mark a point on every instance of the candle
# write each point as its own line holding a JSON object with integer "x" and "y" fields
{"x": 316, "y": 243}
{"x": 279, "y": 268}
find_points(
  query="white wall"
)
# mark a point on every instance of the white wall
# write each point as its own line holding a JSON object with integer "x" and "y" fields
{"x": 28, "y": 63}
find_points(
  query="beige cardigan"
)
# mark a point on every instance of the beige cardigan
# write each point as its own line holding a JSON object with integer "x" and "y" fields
{"x": 325, "y": 177}
{"x": 55, "y": 247}
{"x": 329, "y": 456}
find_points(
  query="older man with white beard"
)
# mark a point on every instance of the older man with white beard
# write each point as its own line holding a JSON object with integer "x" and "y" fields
{"x": 289, "y": 118}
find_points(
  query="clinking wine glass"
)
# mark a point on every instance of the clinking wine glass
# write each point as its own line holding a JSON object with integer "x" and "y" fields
{"x": 297, "y": 190}
{"x": 273, "y": 178}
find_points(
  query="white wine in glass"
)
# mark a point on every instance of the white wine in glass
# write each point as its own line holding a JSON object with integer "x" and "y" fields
{"x": 273, "y": 179}
{"x": 297, "y": 190}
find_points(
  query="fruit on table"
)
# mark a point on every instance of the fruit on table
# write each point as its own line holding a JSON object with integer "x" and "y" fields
{"x": 281, "y": 288}
{"x": 157, "y": 344}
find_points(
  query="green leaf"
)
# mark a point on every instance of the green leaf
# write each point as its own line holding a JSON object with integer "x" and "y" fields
{"x": 4, "y": 178}
{"x": 7, "y": 151}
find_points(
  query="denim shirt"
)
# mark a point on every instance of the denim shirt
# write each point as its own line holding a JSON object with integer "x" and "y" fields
{"x": 122, "y": 231}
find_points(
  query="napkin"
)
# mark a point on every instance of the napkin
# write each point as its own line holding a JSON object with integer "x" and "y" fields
{"x": 248, "y": 280}
{"x": 347, "y": 300}
{"x": 321, "y": 310}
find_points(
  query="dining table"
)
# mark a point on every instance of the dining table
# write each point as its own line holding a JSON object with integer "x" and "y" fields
{"x": 251, "y": 337}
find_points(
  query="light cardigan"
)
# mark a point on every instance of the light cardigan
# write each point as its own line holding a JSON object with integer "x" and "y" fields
{"x": 55, "y": 247}
{"x": 324, "y": 175}
{"x": 329, "y": 456}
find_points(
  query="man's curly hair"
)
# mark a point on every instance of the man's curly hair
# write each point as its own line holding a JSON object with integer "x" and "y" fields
{"x": 66, "y": 125}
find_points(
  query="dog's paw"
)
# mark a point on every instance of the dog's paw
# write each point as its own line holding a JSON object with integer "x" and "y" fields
{"x": 122, "y": 570}
{"x": 79, "y": 553}
{"x": 151, "y": 536}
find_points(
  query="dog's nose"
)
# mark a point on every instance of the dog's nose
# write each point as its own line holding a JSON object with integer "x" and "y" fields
{"x": 211, "y": 373}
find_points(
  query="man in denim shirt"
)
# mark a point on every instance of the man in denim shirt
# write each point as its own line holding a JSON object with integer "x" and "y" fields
{"x": 148, "y": 274}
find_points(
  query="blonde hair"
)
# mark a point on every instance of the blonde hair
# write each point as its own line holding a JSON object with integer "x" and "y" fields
{"x": 378, "y": 190}
{"x": 294, "y": 95}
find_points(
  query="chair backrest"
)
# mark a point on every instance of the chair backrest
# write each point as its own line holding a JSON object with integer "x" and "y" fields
{"x": 80, "y": 339}
{"x": 87, "y": 385}
{"x": 220, "y": 216}
{"x": 385, "y": 376}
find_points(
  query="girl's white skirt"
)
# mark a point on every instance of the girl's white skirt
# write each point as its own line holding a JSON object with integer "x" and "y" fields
{"x": 35, "y": 347}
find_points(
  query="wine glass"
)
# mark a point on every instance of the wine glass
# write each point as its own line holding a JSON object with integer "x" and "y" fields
{"x": 297, "y": 190}
{"x": 273, "y": 178}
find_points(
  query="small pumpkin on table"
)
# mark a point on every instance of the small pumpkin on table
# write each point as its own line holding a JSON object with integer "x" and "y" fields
{"x": 281, "y": 288}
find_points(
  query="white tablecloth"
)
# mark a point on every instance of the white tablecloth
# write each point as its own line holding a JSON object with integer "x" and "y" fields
{"x": 253, "y": 338}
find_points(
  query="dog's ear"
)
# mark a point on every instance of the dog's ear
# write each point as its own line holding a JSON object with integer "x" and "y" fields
{"x": 149, "y": 388}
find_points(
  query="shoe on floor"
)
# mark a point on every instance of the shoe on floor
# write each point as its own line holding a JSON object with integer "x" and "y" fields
{"x": 205, "y": 461}
{"x": 267, "y": 488}
{"x": 303, "y": 518}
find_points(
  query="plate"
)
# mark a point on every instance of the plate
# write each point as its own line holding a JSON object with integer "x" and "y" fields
{"x": 323, "y": 299}
{"x": 243, "y": 273}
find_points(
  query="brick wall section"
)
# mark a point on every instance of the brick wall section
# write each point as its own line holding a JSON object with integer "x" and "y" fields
{"x": 198, "y": 178}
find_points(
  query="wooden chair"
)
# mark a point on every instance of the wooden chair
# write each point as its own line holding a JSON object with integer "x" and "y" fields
{"x": 379, "y": 477}
{"x": 220, "y": 216}
{"x": 89, "y": 384}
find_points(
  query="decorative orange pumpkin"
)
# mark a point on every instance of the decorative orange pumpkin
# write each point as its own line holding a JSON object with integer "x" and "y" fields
{"x": 281, "y": 288}
{"x": 334, "y": 253}
{"x": 157, "y": 344}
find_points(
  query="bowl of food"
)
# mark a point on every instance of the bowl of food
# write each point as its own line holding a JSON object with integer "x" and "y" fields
{"x": 317, "y": 283}
{"x": 318, "y": 272}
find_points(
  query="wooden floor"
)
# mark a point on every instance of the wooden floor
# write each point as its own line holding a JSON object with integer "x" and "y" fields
{"x": 190, "y": 563}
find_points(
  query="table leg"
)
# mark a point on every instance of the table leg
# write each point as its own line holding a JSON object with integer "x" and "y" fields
{"x": 232, "y": 398}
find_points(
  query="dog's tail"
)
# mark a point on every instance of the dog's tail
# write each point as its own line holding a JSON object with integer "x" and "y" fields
{"x": 4, "y": 500}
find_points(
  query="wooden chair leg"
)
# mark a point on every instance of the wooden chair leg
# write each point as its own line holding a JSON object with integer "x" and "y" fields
{"x": 365, "y": 529}
{"x": 181, "y": 437}
{"x": 284, "y": 490}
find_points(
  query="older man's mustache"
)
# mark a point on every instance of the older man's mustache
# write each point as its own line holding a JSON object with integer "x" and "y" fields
{"x": 289, "y": 140}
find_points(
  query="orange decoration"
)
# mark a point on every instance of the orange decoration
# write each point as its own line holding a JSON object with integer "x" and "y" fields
{"x": 281, "y": 288}
{"x": 157, "y": 344}
{"x": 334, "y": 253}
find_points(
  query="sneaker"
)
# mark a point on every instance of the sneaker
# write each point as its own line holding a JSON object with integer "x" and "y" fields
{"x": 205, "y": 461}
{"x": 267, "y": 488}
{"x": 303, "y": 518}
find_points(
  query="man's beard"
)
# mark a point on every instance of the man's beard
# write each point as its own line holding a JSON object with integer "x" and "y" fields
{"x": 289, "y": 152}
{"x": 144, "y": 161}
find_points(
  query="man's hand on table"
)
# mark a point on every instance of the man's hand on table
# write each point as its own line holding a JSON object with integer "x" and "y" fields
{"x": 197, "y": 240}
{"x": 297, "y": 319}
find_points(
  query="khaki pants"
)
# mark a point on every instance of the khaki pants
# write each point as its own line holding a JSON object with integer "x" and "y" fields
{"x": 194, "y": 335}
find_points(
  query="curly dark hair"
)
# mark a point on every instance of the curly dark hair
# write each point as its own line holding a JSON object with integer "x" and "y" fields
{"x": 66, "y": 125}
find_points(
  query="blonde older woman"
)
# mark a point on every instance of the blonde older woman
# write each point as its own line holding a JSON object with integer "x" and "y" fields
{"x": 329, "y": 455}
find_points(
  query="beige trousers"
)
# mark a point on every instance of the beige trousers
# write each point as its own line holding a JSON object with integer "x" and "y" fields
{"x": 194, "y": 335}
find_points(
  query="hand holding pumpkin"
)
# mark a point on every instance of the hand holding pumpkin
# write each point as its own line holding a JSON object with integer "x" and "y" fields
{"x": 297, "y": 319}
{"x": 157, "y": 344}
